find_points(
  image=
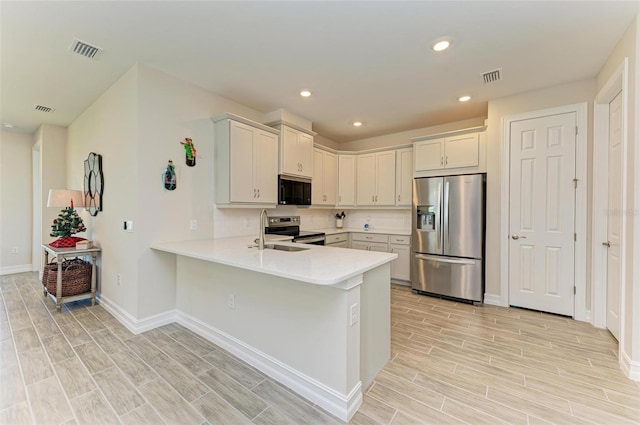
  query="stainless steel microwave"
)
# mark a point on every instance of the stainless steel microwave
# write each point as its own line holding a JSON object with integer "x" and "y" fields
{"x": 294, "y": 190}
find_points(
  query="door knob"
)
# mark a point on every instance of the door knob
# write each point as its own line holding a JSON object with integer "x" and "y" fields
{"x": 516, "y": 237}
{"x": 607, "y": 244}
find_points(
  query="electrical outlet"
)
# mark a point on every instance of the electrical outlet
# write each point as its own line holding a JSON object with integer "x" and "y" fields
{"x": 355, "y": 314}
{"x": 118, "y": 279}
{"x": 15, "y": 250}
{"x": 193, "y": 225}
{"x": 231, "y": 301}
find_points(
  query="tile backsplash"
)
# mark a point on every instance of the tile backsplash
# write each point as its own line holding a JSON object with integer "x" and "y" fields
{"x": 229, "y": 222}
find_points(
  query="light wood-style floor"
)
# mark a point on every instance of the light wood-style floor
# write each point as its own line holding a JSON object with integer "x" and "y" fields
{"x": 451, "y": 363}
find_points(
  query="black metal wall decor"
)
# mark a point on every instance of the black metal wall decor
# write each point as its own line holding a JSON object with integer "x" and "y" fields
{"x": 93, "y": 183}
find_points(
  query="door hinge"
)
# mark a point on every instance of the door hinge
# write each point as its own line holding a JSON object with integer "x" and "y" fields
{"x": 575, "y": 237}
{"x": 574, "y": 290}
{"x": 575, "y": 183}
{"x": 576, "y": 130}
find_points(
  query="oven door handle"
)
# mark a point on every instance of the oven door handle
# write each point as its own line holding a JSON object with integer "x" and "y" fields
{"x": 309, "y": 240}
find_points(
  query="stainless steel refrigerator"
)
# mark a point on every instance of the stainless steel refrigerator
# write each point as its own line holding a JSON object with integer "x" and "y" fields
{"x": 447, "y": 243}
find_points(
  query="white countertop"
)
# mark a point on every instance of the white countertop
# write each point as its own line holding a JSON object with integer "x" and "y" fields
{"x": 320, "y": 265}
{"x": 333, "y": 231}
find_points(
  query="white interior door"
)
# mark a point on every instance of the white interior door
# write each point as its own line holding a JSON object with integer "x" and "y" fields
{"x": 614, "y": 185}
{"x": 542, "y": 213}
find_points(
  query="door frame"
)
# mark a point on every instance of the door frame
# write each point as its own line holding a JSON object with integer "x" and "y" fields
{"x": 580, "y": 223}
{"x": 616, "y": 84}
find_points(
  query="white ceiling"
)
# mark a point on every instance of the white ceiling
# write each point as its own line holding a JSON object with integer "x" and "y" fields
{"x": 367, "y": 61}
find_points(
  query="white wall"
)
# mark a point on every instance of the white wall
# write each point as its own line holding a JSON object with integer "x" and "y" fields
{"x": 402, "y": 138}
{"x": 629, "y": 46}
{"x": 109, "y": 127}
{"x": 15, "y": 201}
{"x": 52, "y": 141}
{"x": 137, "y": 126}
{"x": 581, "y": 91}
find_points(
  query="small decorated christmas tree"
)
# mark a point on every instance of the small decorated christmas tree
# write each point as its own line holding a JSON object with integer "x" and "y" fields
{"x": 68, "y": 223}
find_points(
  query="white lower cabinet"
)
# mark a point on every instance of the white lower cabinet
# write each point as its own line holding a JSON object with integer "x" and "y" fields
{"x": 339, "y": 240}
{"x": 400, "y": 267}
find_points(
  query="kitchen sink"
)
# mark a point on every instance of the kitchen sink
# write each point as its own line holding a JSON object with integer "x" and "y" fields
{"x": 285, "y": 247}
{"x": 281, "y": 247}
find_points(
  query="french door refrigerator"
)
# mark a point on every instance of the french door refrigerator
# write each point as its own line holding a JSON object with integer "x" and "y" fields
{"x": 447, "y": 243}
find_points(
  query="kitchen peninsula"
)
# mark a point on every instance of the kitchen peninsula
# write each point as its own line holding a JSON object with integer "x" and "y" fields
{"x": 315, "y": 319}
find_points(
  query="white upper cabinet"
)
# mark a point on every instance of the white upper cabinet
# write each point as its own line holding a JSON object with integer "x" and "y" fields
{"x": 346, "y": 180}
{"x": 376, "y": 178}
{"x": 296, "y": 151}
{"x": 429, "y": 154}
{"x": 461, "y": 151}
{"x": 325, "y": 172}
{"x": 404, "y": 176}
{"x": 458, "y": 152}
{"x": 246, "y": 158}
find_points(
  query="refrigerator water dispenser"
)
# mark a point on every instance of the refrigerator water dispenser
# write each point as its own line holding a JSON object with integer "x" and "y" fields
{"x": 426, "y": 220}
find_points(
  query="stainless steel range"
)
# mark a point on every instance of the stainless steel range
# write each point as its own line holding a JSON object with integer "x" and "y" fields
{"x": 290, "y": 226}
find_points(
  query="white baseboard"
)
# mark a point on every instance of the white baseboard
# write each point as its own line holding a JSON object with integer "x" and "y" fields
{"x": 400, "y": 282}
{"x": 587, "y": 316}
{"x": 631, "y": 368}
{"x": 493, "y": 299}
{"x": 137, "y": 325}
{"x": 340, "y": 405}
{"x": 23, "y": 268}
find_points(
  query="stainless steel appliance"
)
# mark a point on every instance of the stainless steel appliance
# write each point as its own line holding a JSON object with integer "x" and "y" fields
{"x": 448, "y": 229}
{"x": 290, "y": 226}
{"x": 294, "y": 190}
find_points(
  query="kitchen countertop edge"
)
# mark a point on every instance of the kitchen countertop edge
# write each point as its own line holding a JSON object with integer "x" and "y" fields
{"x": 316, "y": 265}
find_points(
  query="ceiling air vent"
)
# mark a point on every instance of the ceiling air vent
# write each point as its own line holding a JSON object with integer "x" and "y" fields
{"x": 42, "y": 108}
{"x": 85, "y": 49}
{"x": 491, "y": 76}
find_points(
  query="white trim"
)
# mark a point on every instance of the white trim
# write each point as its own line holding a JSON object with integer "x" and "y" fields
{"x": 22, "y": 268}
{"x": 630, "y": 367}
{"x": 580, "y": 278}
{"x": 343, "y": 406}
{"x": 587, "y": 315}
{"x": 617, "y": 83}
{"x": 137, "y": 326}
{"x": 493, "y": 299}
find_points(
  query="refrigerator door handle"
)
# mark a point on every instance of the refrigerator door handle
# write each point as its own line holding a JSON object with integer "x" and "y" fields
{"x": 438, "y": 218}
{"x": 445, "y": 259}
{"x": 445, "y": 220}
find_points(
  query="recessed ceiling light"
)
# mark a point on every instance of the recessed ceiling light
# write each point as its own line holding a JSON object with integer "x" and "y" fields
{"x": 305, "y": 93}
{"x": 441, "y": 45}
{"x": 7, "y": 125}
{"x": 464, "y": 98}
{"x": 357, "y": 124}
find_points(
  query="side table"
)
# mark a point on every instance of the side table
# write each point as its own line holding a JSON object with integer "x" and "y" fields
{"x": 61, "y": 254}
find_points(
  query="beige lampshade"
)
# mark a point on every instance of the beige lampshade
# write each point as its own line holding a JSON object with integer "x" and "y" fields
{"x": 62, "y": 198}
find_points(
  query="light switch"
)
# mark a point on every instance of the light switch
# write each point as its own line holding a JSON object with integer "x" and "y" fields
{"x": 128, "y": 226}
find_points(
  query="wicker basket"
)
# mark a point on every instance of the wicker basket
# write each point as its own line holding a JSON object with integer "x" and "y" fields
{"x": 76, "y": 277}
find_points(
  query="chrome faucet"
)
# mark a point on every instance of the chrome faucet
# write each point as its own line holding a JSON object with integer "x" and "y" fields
{"x": 263, "y": 216}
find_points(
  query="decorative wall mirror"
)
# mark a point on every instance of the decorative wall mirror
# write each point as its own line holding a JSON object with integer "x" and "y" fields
{"x": 93, "y": 183}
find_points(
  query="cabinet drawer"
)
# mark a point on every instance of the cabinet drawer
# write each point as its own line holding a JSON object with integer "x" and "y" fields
{"x": 339, "y": 237}
{"x": 400, "y": 240}
{"x": 369, "y": 237}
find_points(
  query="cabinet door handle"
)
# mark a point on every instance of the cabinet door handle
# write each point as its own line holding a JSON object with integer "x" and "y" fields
{"x": 446, "y": 160}
{"x": 258, "y": 193}
{"x": 398, "y": 198}
{"x": 254, "y": 193}
{"x": 339, "y": 198}
{"x": 441, "y": 160}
